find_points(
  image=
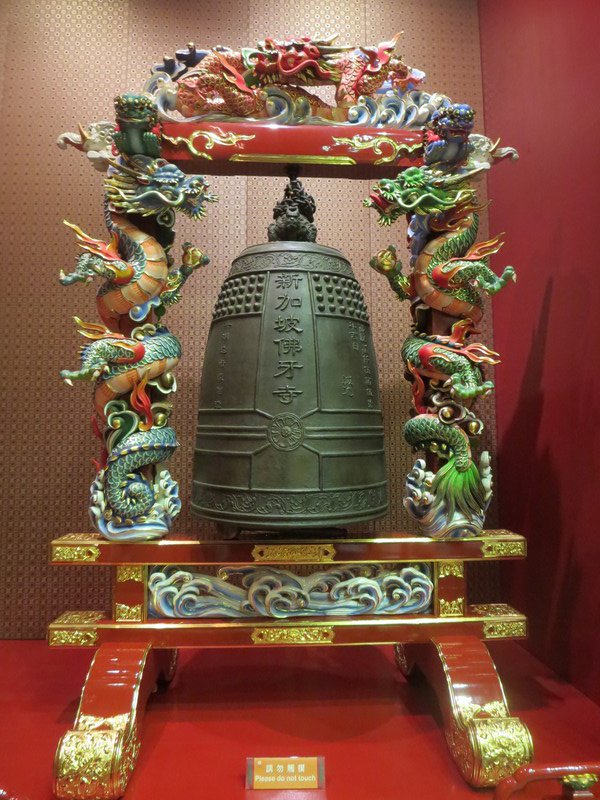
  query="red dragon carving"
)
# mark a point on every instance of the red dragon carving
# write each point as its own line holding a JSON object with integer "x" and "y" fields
{"x": 233, "y": 82}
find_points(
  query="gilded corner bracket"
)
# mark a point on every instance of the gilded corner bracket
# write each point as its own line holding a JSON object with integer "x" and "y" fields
{"x": 75, "y": 629}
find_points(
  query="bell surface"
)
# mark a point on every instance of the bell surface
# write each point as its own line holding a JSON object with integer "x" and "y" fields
{"x": 290, "y": 431}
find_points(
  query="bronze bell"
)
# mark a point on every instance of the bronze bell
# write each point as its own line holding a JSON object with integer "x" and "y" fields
{"x": 290, "y": 432}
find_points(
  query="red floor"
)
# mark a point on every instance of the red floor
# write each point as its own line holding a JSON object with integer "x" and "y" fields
{"x": 379, "y": 735}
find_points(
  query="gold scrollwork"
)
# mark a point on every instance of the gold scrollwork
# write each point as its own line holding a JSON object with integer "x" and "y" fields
{"x": 93, "y": 764}
{"x": 505, "y": 630}
{"x": 458, "y": 744}
{"x": 79, "y": 617}
{"x": 500, "y": 747}
{"x": 469, "y": 711}
{"x": 89, "y": 722}
{"x": 211, "y": 138}
{"x": 317, "y": 635}
{"x": 375, "y": 143}
{"x": 73, "y": 637}
{"x": 125, "y": 613}
{"x": 452, "y": 608}
{"x": 286, "y": 553}
{"x": 454, "y": 569}
{"x": 75, "y": 552}
{"x": 503, "y": 549}
{"x": 130, "y": 573}
{"x": 493, "y": 610}
{"x": 489, "y": 749}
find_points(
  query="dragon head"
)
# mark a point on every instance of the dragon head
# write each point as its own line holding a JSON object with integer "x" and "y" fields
{"x": 100, "y": 259}
{"x": 154, "y": 187}
{"x": 417, "y": 190}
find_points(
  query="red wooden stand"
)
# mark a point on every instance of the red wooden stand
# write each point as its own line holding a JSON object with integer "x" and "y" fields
{"x": 95, "y": 759}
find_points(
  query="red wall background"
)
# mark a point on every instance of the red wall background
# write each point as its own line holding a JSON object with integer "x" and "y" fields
{"x": 540, "y": 80}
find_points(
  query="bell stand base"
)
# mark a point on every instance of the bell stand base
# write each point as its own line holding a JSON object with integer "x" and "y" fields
{"x": 96, "y": 758}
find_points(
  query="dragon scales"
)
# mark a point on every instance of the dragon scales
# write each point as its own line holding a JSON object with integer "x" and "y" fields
{"x": 130, "y": 357}
{"x": 448, "y": 492}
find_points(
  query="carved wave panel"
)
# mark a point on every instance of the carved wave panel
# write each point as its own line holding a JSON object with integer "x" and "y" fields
{"x": 256, "y": 591}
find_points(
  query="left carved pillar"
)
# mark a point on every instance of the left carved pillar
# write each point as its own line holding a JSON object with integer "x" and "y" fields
{"x": 95, "y": 759}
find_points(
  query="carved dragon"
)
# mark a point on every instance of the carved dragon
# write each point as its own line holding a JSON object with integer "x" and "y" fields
{"x": 130, "y": 358}
{"x": 448, "y": 279}
{"x": 233, "y": 82}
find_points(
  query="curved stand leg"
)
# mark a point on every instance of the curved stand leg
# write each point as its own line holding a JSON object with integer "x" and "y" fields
{"x": 485, "y": 741}
{"x": 96, "y": 758}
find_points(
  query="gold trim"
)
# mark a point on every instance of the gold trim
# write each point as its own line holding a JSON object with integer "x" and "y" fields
{"x": 286, "y": 553}
{"x": 452, "y": 608}
{"x": 81, "y": 538}
{"x": 505, "y": 630}
{"x": 312, "y": 635}
{"x": 503, "y": 549}
{"x": 125, "y": 613}
{"x": 493, "y": 610}
{"x": 469, "y": 711}
{"x": 276, "y": 158}
{"x": 448, "y": 569}
{"x": 353, "y": 622}
{"x": 375, "y": 143}
{"x": 228, "y": 139}
{"x": 89, "y": 722}
{"x": 75, "y": 553}
{"x": 79, "y": 617}
{"x": 131, "y": 573}
{"x": 500, "y": 747}
{"x": 74, "y": 637}
{"x": 93, "y": 764}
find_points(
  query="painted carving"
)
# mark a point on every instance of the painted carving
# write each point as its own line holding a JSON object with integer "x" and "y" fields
{"x": 269, "y": 82}
{"x": 448, "y": 492}
{"x": 131, "y": 356}
{"x": 263, "y": 591}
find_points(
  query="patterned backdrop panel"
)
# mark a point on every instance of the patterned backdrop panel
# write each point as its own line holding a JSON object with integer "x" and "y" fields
{"x": 64, "y": 61}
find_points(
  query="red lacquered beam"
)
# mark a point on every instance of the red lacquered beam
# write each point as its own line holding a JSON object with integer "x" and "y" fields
{"x": 207, "y": 146}
{"x": 88, "y": 548}
{"x": 67, "y": 631}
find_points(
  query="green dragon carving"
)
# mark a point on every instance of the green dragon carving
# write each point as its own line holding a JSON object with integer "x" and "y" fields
{"x": 448, "y": 280}
{"x": 450, "y": 272}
